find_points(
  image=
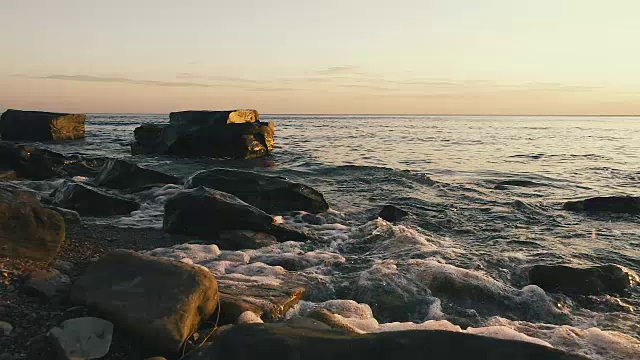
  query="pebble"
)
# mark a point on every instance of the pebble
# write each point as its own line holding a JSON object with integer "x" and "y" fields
{"x": 5, "y": 328}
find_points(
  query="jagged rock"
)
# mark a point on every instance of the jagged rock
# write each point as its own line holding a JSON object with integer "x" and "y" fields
{"x": 614, "y": 204}
{"x": 89, "y": 201}
{"x": 392, "y": 213}
{"x": 593, "y": 280}
{"x": 132, "y": 290}
{"x": 206, "y": 212}
{"x": 272, "y": 194}
{"x": 244, "y": 239}
{"x": 19, "y": 125}
{"x": 289, "y": 341}
{"x": 82, "y": 338}
{"x": 47, "y": 284}
{"x": 120, "y": 174}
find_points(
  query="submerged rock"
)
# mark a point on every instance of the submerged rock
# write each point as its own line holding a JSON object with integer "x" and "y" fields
{"x": 82, "y": 338}
{"x": 89, "y": 201}
{"x": 614, "y": 204}
{"x": 288, "y": 341}
{"x": 19, "y": 125}
{"x": 593, "y": 280}
{"x": 272, "y": 194}
{"x": 120, "y": 174}
{"x": 160, "y": 301}
{"x": 392, "y": 213}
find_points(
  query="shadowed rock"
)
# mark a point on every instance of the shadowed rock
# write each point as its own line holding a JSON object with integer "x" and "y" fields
{"x": 19, "y": 125}
{"x": 92, "y": 202}
{"x": 47, "y": 284}
{"x": 593, "y": 280}
{"x": 120, "y": 174}
{"x": 614, "y": 204}
{"x": 392, "y": 213}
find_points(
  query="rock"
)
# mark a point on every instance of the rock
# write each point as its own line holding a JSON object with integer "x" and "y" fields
{"x": 64, "y": 267}
{"x": 69, "y": 216}
{"x": 26, "y": 229}
{"x": 392, "y": 214}
{"x": 614, "y": 204}
{"x": 206, "y": 212}
{"x": 19, "y": 125}
{"x": 132, "y": 290}
{"x": 8, "y": 175}
{"x": 272, "y": 194}
{"x": 89, "y": 201}
{"x": 16, "y": 193}
{"x": 47, "y": 284}
{"x": 244, "y": 239}
{"x": 593, "y": 280}
{"x": 207, "y": 133}
{"x": 297, "y": 341}
{"x": 34, "y": 163}
{"x": 120, "y": 174}
{"x": 5, "y": 328}
{"x": 82, "y": 338}
{"x": 332, "y": 321}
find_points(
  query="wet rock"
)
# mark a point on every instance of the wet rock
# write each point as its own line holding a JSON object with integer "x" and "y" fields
{"x": 34, "y": 163}
{"x": 593, "y": 280}
{"x": 82, "y": 338}
{"x": 69, "y": 216}
{"x": 392, "y": 213}
{"x": 332, "y": 321}
{"x": 89, "y": 201}
{"x": 614, "y": 204}
{"x": 131, "y": 290}
{"x": 244, "y": 239}
{"x": 47, "y": 284}
{"x": 5, "y": 328}
{"x": 19, "y": 125}
{"x": 120, "y": 174}
{"x": 206, "y": 212}
{"x": 313, "y": 219}
{"x": 288, "y": 341}
{"x": 269, "y": 193}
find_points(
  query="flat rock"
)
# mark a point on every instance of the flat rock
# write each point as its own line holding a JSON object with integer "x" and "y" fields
{"x": 160, "y": 301}
{"x": 19, "y": 125}
{"x": 300, "y": 341}
{"x": 392, "y": 213}
{"x": 593, "y": 280}
{"x": 120, "y": 174}
{"x": 269, "y": 193}
{"x": 82, "y": 338}
{"x": 89, "y": 201}
{"x": 47, "y": 284}
{"x": 613, "y": 204}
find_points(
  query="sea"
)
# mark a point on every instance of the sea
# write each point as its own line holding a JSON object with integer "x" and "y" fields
{"x": 485, "y": 196}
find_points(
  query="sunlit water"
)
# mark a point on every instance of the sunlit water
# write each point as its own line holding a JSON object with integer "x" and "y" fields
{"x": 448, "y": 171}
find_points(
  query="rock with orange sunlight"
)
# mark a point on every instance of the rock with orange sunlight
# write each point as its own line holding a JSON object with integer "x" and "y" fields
{"x": 19, "y": 125}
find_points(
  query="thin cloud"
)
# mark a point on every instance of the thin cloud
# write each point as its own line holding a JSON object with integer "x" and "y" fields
{"x": 121, "y": 80}
{"x": 338, "y": 70}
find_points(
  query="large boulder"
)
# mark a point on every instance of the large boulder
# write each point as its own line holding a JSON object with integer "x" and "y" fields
{"x": 272, "y": 194}
{"x": 160, "y": 301}
{"x": 220, "y": 134}
{"x": 89, "y": 201}
{"x": 205, "y": 212}
{"x": 19, "y": 125}
{"x": 595, "y": 280}
{"x": 291, "y": 341}
{"x": 614, "y": 204}
{"x": 120, "y": 174}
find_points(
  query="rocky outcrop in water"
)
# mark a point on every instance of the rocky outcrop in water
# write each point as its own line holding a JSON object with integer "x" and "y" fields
{"x": 613, "y": 204}
{"x": 392, "y": 213}
{"x": 272, "y": 194}
{"x": 120, "y": 174}
{"x": 593, "y": 280}
{"x": 161, "y": 302}
{"x": 89, "y": 201}
{"x": 19, "y": 125}
{"x": 220, "y": 134}
{"x": 289, "y": 341}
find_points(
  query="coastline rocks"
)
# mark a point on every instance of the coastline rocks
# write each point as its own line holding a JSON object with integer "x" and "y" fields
{"x": 82, "y": 338}
{"x": 47, "y": 284}
{"x": 614, "y": 204}
{"x": 19, "y": 125}
{"x": 244, "y": 239}
{"x": 160, "y": 301}
{"x": 120, "y": 174}
{"x": 236, "y": 134}
{"x": 269, "y": 193}
{"x": 89, "y": 201}
{"x": 392, "y": 213}
{"x": 288, "y": 341}
{"x": 595, "y": 280}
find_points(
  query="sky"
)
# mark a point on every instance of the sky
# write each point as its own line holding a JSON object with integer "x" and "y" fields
{"x": 332, "y": 56}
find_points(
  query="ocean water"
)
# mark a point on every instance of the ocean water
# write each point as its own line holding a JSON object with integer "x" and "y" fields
{"x": 485, "y": 195}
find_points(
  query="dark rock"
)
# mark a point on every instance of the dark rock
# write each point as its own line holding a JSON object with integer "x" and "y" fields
{"x": 47, "y": 284}
{"x": 272, "y": 194}
{"x": 206, "y": 212}
{"x": 64, "y": 267}
{"x": 120, "y": 174}
{"x": 614, "y": 204}
{"x": 34, "y": 163}
{"x": 593, "y": 280}
{"x": 89, "y": 201}
{"x": 69, "y": 216}
{"x": 286, "y": 341}
{"x": 8, "y": 175}
{"x": 244, "y": 239}
{"x": 82, "y": 338}
{"x": 200, "y": 118}
{"x": 160, "y": 301}
{"x": 392, "y": 214}
{"x": 313, "y": 219}
{"x": 18, "y": 125}
{"x": 16, "y": 193}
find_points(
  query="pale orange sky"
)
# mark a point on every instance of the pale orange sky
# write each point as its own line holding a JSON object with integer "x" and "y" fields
{"x": 286, "y": 56}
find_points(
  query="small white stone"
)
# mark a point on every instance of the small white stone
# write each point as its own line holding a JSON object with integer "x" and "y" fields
{"x": 83, "y": 338}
